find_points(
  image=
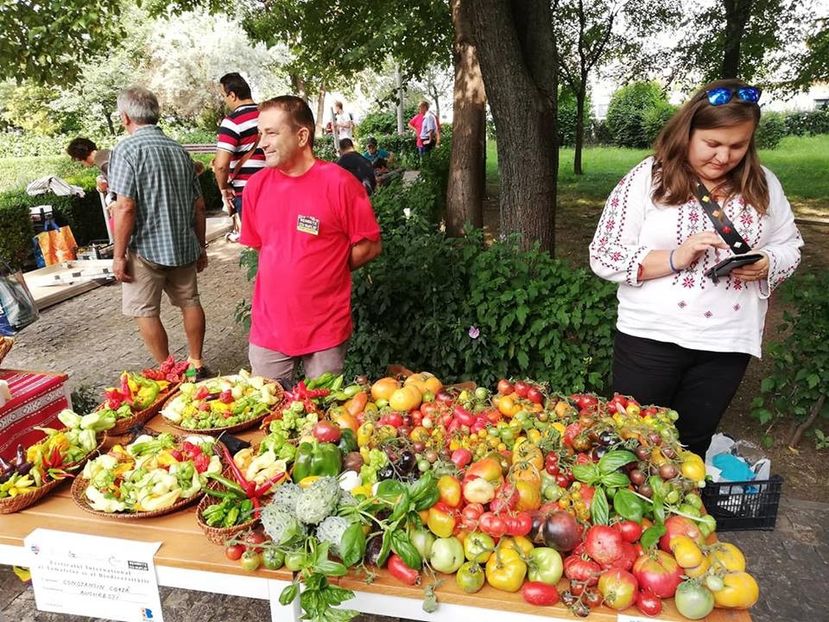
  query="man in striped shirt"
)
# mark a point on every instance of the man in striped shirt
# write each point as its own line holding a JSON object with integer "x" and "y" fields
{"x": 238, "y": 134}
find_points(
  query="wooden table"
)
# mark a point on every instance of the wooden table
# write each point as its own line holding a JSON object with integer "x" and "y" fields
{"x": 186, "y": 559}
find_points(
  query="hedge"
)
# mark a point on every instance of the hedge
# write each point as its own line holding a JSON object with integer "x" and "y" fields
{"x": 462, "y": 308}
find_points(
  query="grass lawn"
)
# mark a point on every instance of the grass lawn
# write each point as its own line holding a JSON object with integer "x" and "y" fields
{"x": 801, "y": 164}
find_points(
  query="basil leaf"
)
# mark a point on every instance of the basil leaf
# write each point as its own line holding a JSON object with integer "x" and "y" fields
{"x": 599, "y": 509}
{"x": 385, "y": 548}
{"x": 424, "y": 492}
{"x": 428, "y": 499}
{"x": 287, "y": 596}
{"x": 401, "y": 545}
{"x": 612, "y": 460}
{"x": 657, "y": 484}
{"x": 659, "y": 511}
{"x": 389, "y": 490}
{"x": 651, "y": 536}
{"x": 331, "y": 568}
{"x": 353, "y": 545}
{"x": 401, "y": 507}
{"x": 628, "y": 505}
{"x": 587, "y": 473}
{"x": 616, "y": 479}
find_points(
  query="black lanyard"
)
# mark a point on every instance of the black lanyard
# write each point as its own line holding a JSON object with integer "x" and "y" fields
{"x": 721, "y": 222}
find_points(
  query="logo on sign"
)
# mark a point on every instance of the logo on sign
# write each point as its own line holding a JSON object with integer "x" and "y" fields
{"x": 146, "y": 614}
{"x": 137, "y": 565}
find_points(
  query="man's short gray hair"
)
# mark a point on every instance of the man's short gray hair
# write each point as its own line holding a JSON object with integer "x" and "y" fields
{"x": 139, "y": 104}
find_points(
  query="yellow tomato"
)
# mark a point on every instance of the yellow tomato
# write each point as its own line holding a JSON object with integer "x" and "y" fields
{"x": 686, "y": 551}
{"x": 507, "y": 406}
{"x": 519, "y": 544}
{"x": 405, "y": 399}
{"x": 449, "y": 489}
{"x": 724, "y": 555}
{"x": 383, "y": 388}
{"x": 700, "y": 570}
{"x": 505, "y": 570}
{"x": 529, "y": 495}
{"x": 739, "y": 592}
{"x": 693, "y": 469}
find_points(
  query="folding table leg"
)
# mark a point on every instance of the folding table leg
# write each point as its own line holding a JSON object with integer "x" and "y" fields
{"x": 279, "y": 612}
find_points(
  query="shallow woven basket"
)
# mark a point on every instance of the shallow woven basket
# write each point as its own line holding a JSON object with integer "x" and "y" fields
{"x": 79, "y": 497}
{"x": 218, "y": 535}
{"x": 245, "y": 425}
{"x": 6, "y": 344}
{"x": 122, "y": 426}
{"x": 10, "y": 505}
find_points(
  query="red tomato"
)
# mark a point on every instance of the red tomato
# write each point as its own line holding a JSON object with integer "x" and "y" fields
{"x": 538, "y": 593}
{"x": 234, "y": 551}
{"x": 327, "y": 432}
{"x": 394, "y": 419}
{"x": 631, "y": 530}
{"x": 461, "y": 457}
{"x": 577, "y": 568}
{"x": 492, "y": 524}
{"x": 505, "y": 387}
{"x": 254, "y": 538}
{"x": 603, "y": 544}
{"x": 649, "y": 603}
{"x": 519, "y": 524}
{"x": 535, "y": 395}
{"x": 521, "y": 388}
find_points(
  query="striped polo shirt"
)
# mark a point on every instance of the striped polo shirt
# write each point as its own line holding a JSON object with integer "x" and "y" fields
{"x": 237, "y": 134}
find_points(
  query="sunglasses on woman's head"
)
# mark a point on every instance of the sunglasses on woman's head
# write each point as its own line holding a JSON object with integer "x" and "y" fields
{"x": 723, "y": 94}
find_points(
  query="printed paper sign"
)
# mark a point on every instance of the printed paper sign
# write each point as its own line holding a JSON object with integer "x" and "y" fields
{"x": 92, "y": 576}
{"x": 308, "y": 224}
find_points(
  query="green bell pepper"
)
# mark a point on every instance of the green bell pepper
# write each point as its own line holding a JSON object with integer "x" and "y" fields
{"x": 348, "y": 441}
{"x": 317, "y": 459}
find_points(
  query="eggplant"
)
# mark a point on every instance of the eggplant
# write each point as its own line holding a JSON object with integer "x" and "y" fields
{"x": 24, "y": 468}
{"x": 5, "y": 468}
{"x": 20, "y": 458}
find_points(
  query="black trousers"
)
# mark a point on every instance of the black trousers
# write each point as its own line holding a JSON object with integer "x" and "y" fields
{"x": 698, "y": 384}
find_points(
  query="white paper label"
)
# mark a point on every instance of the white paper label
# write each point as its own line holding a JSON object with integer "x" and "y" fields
{"x": 92, "y": 576}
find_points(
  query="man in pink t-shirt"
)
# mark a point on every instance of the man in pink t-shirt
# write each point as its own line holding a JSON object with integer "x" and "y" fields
{"x": 416, "y": 125}
{"x": 312, "y": 223}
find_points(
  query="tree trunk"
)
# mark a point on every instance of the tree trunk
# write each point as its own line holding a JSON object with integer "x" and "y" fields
{"x": 298, "y": 86}
{"x": 737, "y": 13}
{"x": 108, "y": 117}
{"x": 465, "y": 192}
{"x": 320, "y": 120}
{"x": 401, "y": 129}
{"x": 518, "y": 65}
{"x": 581, "y": 98}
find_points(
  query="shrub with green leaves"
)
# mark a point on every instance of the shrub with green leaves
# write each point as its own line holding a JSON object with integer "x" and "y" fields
{"x": 798, "y": 384}
{"x": 771, "y": 130}
{"x": 627, "y": 111}
{"x": 16, "y": 232}
{"x": 655, "y": 119}
{"x": 807, "y": 122}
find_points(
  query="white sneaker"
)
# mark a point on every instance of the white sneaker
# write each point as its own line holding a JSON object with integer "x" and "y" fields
{"x": 233, "y": 236}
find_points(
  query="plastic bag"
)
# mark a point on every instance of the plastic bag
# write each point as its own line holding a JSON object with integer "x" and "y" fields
{"x": 57, "y": 245}
{"x": 17, "y": 306}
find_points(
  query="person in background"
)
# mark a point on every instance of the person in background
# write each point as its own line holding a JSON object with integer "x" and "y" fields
{"x": 312, "y": 223}
{"x": 343, "y": 122}
{"x": 684, "y": 339}
{"x": 237, "y": 156}
{"x": 357, "y": 165}
{"x": 86, "y": 152}
{"x": 159, "y": 227}
{"x": 426, "y": 128}
{"x": 372, "y": 152}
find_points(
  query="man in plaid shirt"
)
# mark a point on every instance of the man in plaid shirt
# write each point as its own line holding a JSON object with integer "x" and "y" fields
{"x": 159, "y": 226}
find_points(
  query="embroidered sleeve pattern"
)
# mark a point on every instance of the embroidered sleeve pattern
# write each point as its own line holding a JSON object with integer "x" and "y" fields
{"x": 615, "y": 252}
{"x": 784, "y": 242}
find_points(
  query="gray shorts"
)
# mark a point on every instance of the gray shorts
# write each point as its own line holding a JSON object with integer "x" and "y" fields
{"x": 142, "y": 297}
{"x": 278, "y": 366}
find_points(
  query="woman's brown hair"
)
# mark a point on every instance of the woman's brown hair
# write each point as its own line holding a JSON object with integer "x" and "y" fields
{"x": 674, "y": 179}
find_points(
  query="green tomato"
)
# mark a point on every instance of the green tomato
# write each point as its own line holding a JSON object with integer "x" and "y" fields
{"x": 250, "y": 560}
{"x": 687, "y": 508}
{"x": 481, "y": 394}
{"x": 693, "y": 600}
{"x": 294, "y": 560}
{"x": 470, "y": 577}
{"x": 693, "y": 499}
{"x": 422, "y": 539}
{"x": 447, "y": 555}
{"x": 273, "y": 559}
{"x": 545, "y": 565}
{"x": 478, "y": 547}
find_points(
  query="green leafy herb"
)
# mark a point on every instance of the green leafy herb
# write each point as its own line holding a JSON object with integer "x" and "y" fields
{"x": 353, "y": 544}
{"x": 628, "y": 505}
{"x": 599, "y": 509}
{"x": 651, "y": 536}
{"x": 612, "y": 460}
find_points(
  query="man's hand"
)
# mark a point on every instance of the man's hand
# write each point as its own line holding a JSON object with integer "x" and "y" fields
{"x": 119, "y": 269}
{"x": 201, "y": 262}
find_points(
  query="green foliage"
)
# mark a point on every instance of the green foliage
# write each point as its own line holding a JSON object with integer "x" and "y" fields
{"x": 466, "y": 309}
{"x": 807, "y": 123}
{"x": 383, "y": 122}
{"x": 46, "y": 40}
{"x": 627, "y": 111}
{"x": 655, "y": 119}
{"x": 799, "y": 377}
{"x": 28, "y": 106}
{"x": 17, "y": 231}
{"x": 771, "y": 130}
{"x": 567, "y": 112}
{"x": 26, "y": 145}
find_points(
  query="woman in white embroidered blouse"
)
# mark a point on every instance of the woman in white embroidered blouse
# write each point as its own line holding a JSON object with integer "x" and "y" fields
{"x": 684, "y": 340}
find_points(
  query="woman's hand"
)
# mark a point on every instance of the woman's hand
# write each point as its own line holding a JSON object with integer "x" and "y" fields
{"x": 756, "y": 271}
{"x": 690, "y": 250}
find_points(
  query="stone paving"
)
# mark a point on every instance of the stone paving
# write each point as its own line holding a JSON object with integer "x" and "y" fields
{"x": 88, "y": 338}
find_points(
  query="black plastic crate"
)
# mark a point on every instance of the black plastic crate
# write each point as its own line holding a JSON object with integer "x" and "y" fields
{"x": 743, "y": 506}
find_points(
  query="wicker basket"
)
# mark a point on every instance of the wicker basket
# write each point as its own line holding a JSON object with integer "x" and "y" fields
{"x": 79, "y": 497}
{"x": 6, "y": 344}
{"x": 239, "y": 427}
{"x": 218, "y": 535}
{"x": 122, "y": 426}
{"x": 10, "y": 505}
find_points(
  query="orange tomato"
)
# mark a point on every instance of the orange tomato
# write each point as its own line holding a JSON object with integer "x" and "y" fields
{"x": 356, "y": 404}
{"x": 449, "y": 489}
{"x": 529, "y": 495}
{"x": 383, "y": 388}
{"x": 346, "y": 420}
